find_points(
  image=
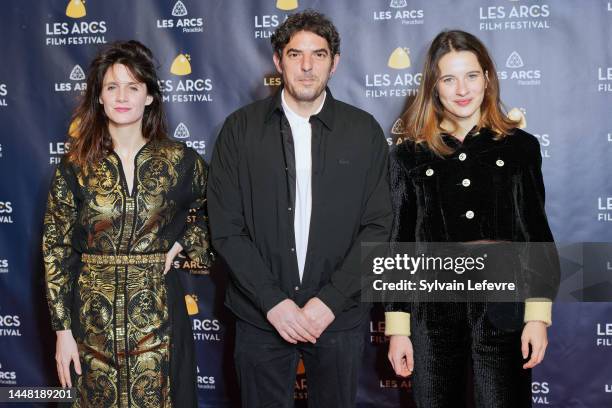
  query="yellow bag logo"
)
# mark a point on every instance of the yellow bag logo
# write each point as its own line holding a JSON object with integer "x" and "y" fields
{"x": 192, "y": 304}
{"x": 181, "y": 65}
{"x": 286, "y": 4}
{"x": 72, "y": 129}
{"x": 399, "y": 59}
{"x": 76, "y": 9}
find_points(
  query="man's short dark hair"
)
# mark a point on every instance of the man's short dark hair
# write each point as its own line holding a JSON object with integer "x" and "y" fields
{"x": 307, "y": 20}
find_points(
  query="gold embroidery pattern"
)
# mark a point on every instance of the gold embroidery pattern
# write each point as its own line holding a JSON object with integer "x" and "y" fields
{"x": 60, "y": 217}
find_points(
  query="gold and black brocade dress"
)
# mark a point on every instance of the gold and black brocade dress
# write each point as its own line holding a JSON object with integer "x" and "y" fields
{"x": 104, "y": 257}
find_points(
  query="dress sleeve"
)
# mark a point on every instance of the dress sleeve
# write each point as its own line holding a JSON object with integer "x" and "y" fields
{"x": 403, "y": 199}
{"x": 58, "y": 252}
{"x": 542, "y": 260}
{"x": 195, "y": 238}
{"x": 533, "y": 196}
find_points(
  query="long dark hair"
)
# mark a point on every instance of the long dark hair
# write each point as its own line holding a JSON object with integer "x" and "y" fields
{"x": 90, "y": 140}
{"x": 424, "y": 116}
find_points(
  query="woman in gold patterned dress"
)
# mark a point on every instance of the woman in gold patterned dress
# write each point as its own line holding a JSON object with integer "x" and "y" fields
{"x": 116, "y": 217}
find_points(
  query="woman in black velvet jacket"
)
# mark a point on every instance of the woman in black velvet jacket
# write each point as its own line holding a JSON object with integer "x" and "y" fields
{"x": 466, "y": 173}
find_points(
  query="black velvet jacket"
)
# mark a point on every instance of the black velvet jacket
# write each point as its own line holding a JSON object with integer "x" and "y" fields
{"x": 487, "y": 189}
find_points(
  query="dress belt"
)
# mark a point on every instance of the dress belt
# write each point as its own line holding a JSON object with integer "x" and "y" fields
{"x": 134, "y": 259}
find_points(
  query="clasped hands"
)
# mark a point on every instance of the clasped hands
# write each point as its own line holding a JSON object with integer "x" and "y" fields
{"x": 296, "y": 324}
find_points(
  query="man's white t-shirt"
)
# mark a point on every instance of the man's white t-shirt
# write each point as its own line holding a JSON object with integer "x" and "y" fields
{"x": 302, "y": 142}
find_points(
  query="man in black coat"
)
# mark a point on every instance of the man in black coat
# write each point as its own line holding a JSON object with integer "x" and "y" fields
{"x": 297, "y": 182}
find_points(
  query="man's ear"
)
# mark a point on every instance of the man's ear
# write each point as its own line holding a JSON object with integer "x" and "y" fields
{"x": 335, "y": 63}
{"x": 277, "y": 62}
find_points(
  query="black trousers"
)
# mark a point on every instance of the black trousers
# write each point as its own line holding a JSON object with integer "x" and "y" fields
{"x": 445, "y": 337}
{"x": 266, "y": 366}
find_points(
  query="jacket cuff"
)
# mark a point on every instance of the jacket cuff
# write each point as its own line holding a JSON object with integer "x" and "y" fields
{"x": 397, "y": 324}
{"x": 63, "y": 324}
{"x": 333, "y": 298}
{"x": 538, "y": 309}
{"x": 269, "y": 298}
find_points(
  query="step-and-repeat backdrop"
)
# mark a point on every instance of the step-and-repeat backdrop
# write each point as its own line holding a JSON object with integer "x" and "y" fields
{"x": 555, "y": 66}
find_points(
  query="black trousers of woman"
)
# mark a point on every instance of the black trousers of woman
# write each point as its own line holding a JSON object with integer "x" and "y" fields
{"x": 446, "y": 336}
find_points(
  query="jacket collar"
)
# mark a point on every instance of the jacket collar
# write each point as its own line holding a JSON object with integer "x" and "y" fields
{"x": 453, "y": 142}
{"x": 325, "y": 116}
